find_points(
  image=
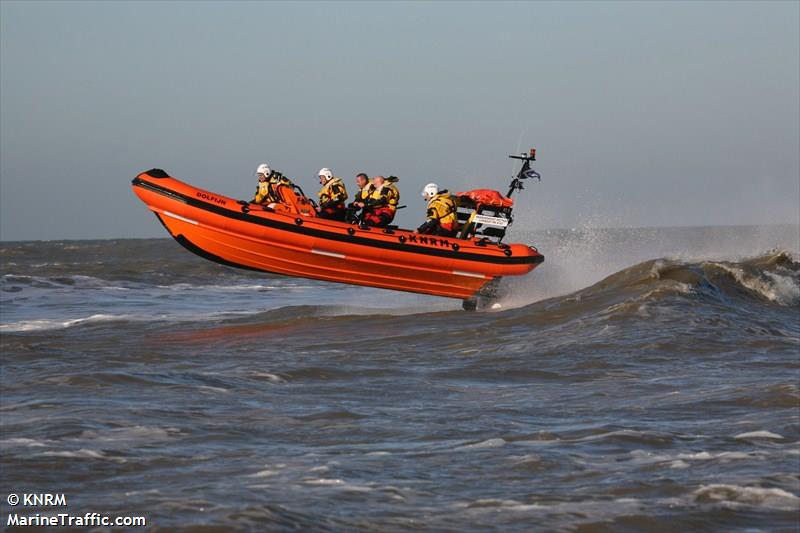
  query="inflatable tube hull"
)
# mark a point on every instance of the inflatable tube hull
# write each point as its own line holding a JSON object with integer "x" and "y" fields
{"x": 222, "y": 230}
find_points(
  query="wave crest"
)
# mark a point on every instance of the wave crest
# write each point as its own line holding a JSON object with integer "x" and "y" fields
{"x": 772, "y": 278}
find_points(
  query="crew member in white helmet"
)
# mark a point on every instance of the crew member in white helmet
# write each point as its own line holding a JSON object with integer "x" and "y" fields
{"x": 441, "y": 218}
{"x": 267, "y": 189}
{"x": 332, "y": 196}
{"x": 262, "y": 189}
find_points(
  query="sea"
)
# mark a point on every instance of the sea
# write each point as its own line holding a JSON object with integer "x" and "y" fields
{"x": 641, "y": 379}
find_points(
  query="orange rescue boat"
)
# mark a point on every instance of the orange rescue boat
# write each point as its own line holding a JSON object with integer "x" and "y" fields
{"x": 291, "y": 240}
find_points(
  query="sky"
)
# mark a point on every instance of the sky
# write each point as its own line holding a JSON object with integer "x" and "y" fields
{"x": 643, "y": 113}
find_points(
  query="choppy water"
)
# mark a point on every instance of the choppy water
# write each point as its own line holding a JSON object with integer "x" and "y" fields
{"x": 642, "y": 380}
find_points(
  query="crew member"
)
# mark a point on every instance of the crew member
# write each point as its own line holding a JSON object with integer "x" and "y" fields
{"x": 267, "y": 190}
{"x": 262, "y": 189}
{"x": 442, "y": 215}
{"x": 380, "y": 206}
{"x": 365, "y": 188}
{"x": 331, "y": 196}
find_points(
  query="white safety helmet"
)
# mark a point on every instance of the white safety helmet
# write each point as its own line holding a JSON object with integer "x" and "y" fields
{"x": 326, "y": 173}
{"x": 430, "y": 189}
{"x": 263, "y": 168}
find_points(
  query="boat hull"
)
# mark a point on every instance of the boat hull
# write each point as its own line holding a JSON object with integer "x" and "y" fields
{"x": 220, "y": 229}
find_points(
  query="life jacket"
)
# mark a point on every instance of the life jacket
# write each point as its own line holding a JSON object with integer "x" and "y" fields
{"x": 394, "y": 197}
{"x": 364, "y": 192}
{"x": 332, "y": 192}
{"x": 442, "y": 208}
{"x": 262, "y": 192}
{"x": 382, "y": 197}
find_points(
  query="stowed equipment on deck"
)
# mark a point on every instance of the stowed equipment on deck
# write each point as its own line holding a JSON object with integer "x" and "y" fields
{"x": 485, "y": 212}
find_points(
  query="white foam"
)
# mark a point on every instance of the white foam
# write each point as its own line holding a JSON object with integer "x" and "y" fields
{"x": 758, "y": 435}
{"x": 773, "y": 287}
{"x": 60, "y": 323}
{"x": 231, "y": 288}
{"x": 21, "y": 443}
{"x": 618, "y": 433}
{"x": 490, "y": 443}
{"x": 734, "y": 494}
{"x": 731, "y": 456}
{"x": 274, "y": 378}
{"x": 141, "y": 492}
{"x": 595, "y": 509}
{"x": 324, "y": 481}
{"x": 128, "y": 435}
{"x": 338, "y": 483}
{"x": 209, "y": 388}
{"x": 684, "y": 460}
{"x": 699, "y": 456}
{"x": 786, "y": 291}
{"x": 264, "y": 473}
{"x": 83, "y": 453}
{"x": 67, "y": 282}
{"x": 494, "y": 502}
{"x": 44, "y": 324}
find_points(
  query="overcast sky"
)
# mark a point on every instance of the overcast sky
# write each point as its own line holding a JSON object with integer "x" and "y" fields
{"x": 644, "y": 114}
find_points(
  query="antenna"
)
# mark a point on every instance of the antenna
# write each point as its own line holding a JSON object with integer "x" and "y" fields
{"x": 525, "y": 172}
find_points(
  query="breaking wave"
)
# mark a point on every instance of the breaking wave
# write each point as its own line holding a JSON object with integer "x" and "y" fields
{"x": 771, "y": 278}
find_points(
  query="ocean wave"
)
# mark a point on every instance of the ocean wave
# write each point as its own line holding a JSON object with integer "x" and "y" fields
{"x": 235, "y": 321}
{"x": 126, "y": 436}
{"x": 483, "y": 445}
{"x": 771, "y": 279}
{"x": 247, "y": 286}
{"x": 586, "y": 512}
{"x": 761, "y": 434}
{"x": 686, "y": 459}
{"x": 82, "y": 453}
{"x": 7, "y": 444}
{"x": 35, "y": 325}
{"x": 80, "y": 281}
{"x": 51, "y": 324}
{"x": 774, "y": 277}
{"x": 737, "y": 496}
